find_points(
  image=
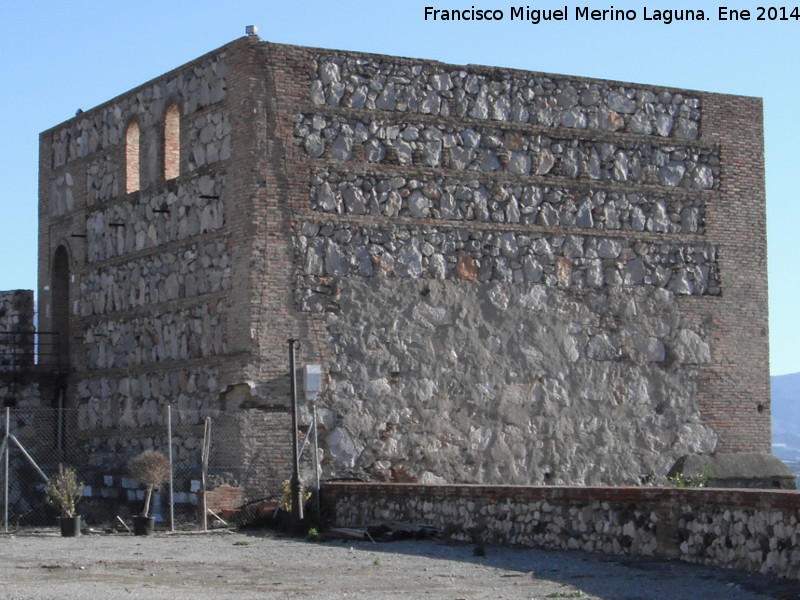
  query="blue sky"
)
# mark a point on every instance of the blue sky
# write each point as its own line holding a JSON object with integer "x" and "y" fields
{"x": 61, "y": 56}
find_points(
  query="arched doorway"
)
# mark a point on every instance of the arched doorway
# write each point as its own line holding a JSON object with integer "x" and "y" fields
{"x": 59, "y": 311}
{"x": 59, "y": 306}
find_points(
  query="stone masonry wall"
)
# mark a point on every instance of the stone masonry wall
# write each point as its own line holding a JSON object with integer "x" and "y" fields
{"x": 17, "y": 349}
{"x": 156, "y": 220}
{"x": 497, "y": 382}
{"x": 201, "y": 268}
{"x": 21, "y": 395}
{"x": 506, "y": 267}
{"x": 16, "y": 319}
{"x": 469, "y": 199}
{"x": 507, "y": 151}
{"x": 338, "y": 250}
{"x": 201, "y": 85}
{"x": 148, "y": 268}
{"x": 387, "y": 84}
{"x": 747, "y": 530}
{"x": 158, "y": 278}
{"x": 507, "y": 276}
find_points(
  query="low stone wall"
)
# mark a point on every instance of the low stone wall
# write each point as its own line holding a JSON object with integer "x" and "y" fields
{"x": 752, "y": 530}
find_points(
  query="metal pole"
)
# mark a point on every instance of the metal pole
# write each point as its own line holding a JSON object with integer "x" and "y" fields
{"x": 316, "y": 458}
{"x": 21, "y": 448}
{"x": 60, "y": 425}
{"x": 5, "y": 461}
{"x": 297, "y": 503}
{"x": 203, "y": 475}
{"x": 171, "y": 470}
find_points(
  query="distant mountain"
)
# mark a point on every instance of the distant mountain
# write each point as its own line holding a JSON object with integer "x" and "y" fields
{"x": 786, "y": 419}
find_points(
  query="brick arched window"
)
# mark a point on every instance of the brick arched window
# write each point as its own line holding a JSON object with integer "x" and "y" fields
{"x": 172, "y": 142}
{"x": 132, "y": 172}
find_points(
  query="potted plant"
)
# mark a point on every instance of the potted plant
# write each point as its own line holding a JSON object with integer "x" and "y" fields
{"x": 150, "y": 469}
{"x": 63, "y": 493}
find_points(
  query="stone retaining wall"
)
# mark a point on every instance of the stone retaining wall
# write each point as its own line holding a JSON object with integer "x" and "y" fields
{"x": 741, "y": 529}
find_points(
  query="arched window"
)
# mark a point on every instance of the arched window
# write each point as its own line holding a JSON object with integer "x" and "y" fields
{"x": 132, "y": 173}
{"x": 172, "y": 142}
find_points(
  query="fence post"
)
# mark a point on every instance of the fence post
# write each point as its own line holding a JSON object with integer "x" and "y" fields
{"x": 204, "y": 473}
{"x": 5, "y": 462}
{"x": 60, "y": 425}
{"x": 316, "y": 458}
{"x": 171, "y": 470}
{"x": 296, "y": 486}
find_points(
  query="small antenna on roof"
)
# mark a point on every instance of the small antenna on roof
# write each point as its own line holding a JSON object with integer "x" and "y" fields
{"x": 251, "y": 30}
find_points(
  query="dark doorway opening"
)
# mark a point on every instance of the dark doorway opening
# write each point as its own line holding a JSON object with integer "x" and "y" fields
{"x": 60, "y": 306}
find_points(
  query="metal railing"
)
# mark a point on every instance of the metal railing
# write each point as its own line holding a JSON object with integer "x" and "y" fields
{"x": 22, "y": 350}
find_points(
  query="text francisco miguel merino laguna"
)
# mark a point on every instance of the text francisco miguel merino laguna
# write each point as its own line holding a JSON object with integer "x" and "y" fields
{"x": 581, "y": 13}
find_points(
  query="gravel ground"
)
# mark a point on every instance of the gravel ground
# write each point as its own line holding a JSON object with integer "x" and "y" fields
{"x": 244, "y": 565}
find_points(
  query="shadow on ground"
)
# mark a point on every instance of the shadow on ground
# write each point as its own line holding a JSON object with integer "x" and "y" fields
{"x": 581, "y": 574}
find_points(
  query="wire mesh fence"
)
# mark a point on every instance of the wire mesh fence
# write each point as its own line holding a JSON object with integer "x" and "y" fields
{"x": 225, "y": 467}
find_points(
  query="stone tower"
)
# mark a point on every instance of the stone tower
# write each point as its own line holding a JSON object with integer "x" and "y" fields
{"x": 507, "y": 276}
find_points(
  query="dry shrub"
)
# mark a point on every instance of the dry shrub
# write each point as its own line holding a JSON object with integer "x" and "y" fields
{"x": 150, "y": 469}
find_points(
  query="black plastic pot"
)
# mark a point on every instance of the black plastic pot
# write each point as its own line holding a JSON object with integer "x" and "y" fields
{"x": 143, "y": 525}
{"x": 70, "y": 526}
